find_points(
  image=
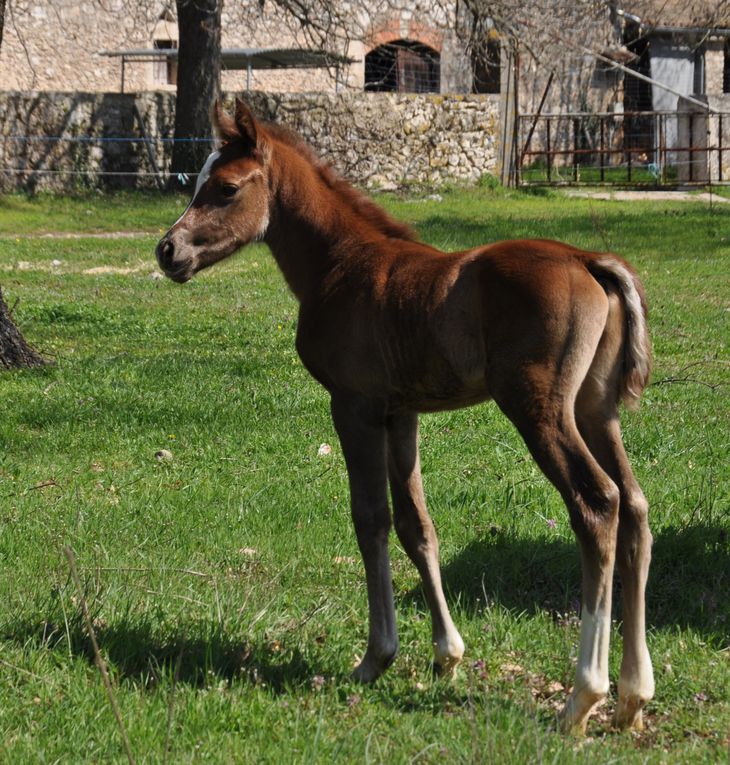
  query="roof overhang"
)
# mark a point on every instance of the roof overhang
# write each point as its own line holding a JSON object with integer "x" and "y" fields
{"x": 246, "y": 58}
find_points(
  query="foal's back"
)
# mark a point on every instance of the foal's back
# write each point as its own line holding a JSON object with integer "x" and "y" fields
{"x": 429, "y": 330}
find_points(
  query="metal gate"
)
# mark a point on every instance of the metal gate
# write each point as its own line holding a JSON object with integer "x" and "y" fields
{"x": 623, "y": 148}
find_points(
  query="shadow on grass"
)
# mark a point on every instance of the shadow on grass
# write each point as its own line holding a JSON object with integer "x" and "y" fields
{"x": 689, "y": 587}
{"x": 138, "y": 652}
{"x": 689, "y": 581}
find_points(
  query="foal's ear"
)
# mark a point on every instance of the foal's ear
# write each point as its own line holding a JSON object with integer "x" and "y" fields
{"x": 246, "y": 124}
{"x": 240, "y": 128}
{"x": 224, "y": 126}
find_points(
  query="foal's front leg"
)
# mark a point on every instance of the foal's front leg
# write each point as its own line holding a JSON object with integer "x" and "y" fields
{"x": 418, "y": 536}
{"x": 361, "y": 427}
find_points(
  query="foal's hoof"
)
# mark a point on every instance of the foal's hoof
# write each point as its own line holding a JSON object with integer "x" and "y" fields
{"x": 570, "y": 726}
{"x": 628, "y": 715}
{"x": 577, "y": 711}
{"x": 445, "y": 667}
{"x": 370, "y": 668}
{"x": 366, "y": 673}
{"x": 448, "y": 651}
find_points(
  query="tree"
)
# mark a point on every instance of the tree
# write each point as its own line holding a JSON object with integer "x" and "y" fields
{"x": 14, "y": 350}
{"x": 2, "y": 21}
{"x": 198, "y": 80}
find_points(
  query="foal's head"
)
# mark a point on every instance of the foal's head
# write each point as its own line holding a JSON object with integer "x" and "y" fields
{"x": 230, "y": 205}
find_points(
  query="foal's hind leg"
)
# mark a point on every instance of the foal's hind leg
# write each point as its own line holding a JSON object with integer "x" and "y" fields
{"x": 599, "y": 424}
{"x": 361, "y": 428}
{"x": 539, "y": 398}
{"x": 418, "y": 536}
{"x": 592, "y": 501}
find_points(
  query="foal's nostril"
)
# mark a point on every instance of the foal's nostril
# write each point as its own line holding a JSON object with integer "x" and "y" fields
{"x": 165, "y": 251}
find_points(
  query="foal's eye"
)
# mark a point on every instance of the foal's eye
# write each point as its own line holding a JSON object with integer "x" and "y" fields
{"x": 229, "y": 190}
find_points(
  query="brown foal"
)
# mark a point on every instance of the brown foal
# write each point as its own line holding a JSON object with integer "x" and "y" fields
{"x": 392, "y": 327}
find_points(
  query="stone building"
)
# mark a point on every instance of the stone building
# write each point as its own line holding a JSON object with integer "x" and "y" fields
{"x": 406, "y": 109}
{"x": 581, "y": 60}
{"x": 58, "y": 45}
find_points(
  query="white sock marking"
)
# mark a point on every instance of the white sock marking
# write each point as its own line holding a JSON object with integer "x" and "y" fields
{"x": 592, "y": 670}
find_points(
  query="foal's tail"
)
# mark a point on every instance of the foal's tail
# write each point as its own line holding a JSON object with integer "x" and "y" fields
{"x": 637, "y": 346}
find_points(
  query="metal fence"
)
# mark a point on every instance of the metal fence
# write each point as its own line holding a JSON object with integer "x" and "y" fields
{"x": 627, "y": 148}
{"x": 75, "y": 162}
{"x": 641, "y": 149}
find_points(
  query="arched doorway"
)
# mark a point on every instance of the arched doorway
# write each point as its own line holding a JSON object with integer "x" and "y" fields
{"x": 403, "y": 66}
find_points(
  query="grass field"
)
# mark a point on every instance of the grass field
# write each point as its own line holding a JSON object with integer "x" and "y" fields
{"x": 225, "y": 584}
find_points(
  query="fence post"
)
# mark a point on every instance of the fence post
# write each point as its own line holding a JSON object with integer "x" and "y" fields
{"x": 549, "y": 153}
{"x": 628, "y": 165}
{"x": 691, "y": 149}
{"x": 719, "y": 148}
{"x": 662, "y": 158}
{"x": 510, "y": 122}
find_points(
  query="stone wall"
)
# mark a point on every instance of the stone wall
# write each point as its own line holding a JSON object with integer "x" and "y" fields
{"x": 377, "y": 140}
{"x": 70, "y": 141}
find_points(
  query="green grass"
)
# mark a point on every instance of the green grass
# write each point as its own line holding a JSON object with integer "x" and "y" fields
{"x": 225, "y": 585}
{"x": 88, "y": 213}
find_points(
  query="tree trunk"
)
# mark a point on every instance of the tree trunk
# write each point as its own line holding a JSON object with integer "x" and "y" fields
{"x": 198, "y": 81}
{"x": 2, "y": 21}
{"x": 14, "y": 351}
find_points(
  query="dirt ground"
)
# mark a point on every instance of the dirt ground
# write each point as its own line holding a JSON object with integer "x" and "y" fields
{"x": 624, "y": 195}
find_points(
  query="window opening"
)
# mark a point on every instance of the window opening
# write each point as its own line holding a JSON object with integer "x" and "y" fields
{"x": 638, "y": 128}
{"x": 486, "y": 65}
{"x": 165, "y": 71}
{"x": 403, "y": 66}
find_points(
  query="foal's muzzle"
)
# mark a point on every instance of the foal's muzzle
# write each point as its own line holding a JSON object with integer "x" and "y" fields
{"x": 165, "y": 253}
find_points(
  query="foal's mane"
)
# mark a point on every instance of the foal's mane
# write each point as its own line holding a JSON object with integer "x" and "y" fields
{"x": 358, "y": 202}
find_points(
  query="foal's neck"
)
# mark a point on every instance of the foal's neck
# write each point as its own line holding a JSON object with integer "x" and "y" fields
{"x": 312, "y": 228}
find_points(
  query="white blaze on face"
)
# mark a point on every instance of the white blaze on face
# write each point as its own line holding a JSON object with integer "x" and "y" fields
{"x": 203, "y": 176}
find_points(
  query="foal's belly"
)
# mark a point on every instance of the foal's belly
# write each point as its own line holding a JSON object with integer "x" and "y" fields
{"x": 425, "y": 402}
{"x": 441, "y": 378}
{"x": 413, "y": 378}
